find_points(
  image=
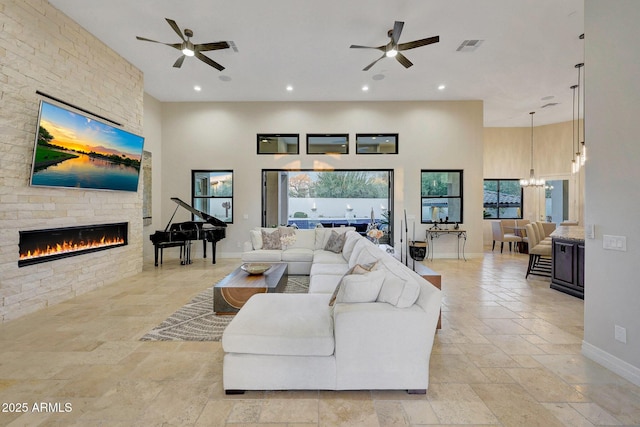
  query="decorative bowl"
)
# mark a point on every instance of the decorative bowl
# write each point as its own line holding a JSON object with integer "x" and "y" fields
{"x": 255, "y": 267}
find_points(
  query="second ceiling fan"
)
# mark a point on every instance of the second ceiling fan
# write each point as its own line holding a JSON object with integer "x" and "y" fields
{"x": 393, "y": 48}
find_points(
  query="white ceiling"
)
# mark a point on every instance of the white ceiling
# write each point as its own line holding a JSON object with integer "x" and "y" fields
{"x": 529, "y": 51}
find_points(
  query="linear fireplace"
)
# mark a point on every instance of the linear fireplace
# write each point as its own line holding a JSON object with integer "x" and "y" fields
{"x": 38, "y": 246}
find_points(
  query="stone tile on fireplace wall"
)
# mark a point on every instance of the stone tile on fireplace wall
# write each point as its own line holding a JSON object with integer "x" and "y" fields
{"x": 41, "y": 49}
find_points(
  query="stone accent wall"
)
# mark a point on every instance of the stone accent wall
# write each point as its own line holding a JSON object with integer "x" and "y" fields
{"x": 41, "y": 49}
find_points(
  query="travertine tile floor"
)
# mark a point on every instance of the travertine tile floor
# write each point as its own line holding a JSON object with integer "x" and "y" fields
{"x": 508, "y": 355}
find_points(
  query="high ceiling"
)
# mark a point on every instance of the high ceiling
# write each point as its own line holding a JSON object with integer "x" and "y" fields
{"x": 526, "y": 60}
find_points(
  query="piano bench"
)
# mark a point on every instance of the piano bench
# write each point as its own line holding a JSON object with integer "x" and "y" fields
{"x": 162, "y": 245}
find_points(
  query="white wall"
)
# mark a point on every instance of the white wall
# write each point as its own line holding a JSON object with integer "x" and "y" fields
{"x": 432, "y": 135}
{"x": 612, "y": 290}
{"x": 42, "y": 49}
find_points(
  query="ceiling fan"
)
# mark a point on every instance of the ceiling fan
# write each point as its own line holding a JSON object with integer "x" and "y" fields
{"x": 190, "y": 49}
{"x": 393, "y": 48}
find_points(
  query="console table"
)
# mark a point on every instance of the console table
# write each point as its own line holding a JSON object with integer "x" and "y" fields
{"x": 436, "y": 233}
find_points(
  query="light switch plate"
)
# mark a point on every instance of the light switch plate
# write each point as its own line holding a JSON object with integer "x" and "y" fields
{"x": 614, "y": 243}
{"x": 590, "y": 231}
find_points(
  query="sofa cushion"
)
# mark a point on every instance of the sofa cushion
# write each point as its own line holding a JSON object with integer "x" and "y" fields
{"x": 360, "y": 245}
{"x": 305, "y": 239}
{"x": 330, "y": 269}
{"x": 297, "y": 255}
{"x": 356, "y": 288}
{"x": 282, "y": 324}
{"x": 350, "y": 241}
{"x": 262, "y": 255}
{"x": 326, "y": 257}
{"x": 324, "y": 283}
{"x": 368, "y": 255}
{"x": 335, "y": 242}
{"x": 271, "y": 240}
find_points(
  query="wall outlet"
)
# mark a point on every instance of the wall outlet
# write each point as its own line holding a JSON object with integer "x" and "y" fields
{"x": 620, "y": 334}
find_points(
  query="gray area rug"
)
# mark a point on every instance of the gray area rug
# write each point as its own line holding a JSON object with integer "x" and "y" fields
{"x": 197, "y": 322}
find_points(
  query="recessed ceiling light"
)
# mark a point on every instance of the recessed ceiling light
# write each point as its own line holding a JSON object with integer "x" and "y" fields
{"x": 197, "y": 88}
{"x": 365, "y": 88}
{"x": 289, "y": 88}
{"x": 441, "y": 87}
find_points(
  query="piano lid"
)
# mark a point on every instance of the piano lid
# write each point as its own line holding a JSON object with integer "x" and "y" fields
{"x": 210, "y": 219}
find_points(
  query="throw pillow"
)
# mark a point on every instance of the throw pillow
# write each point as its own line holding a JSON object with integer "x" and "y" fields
{"x": 256, "y": 239}
{"x": 357, "y": 288}
{"x": 271, "y": 240}
{"x": 335, "y": 242}
{"x": 399, "y": 292}
{"x": 356, "y": 269}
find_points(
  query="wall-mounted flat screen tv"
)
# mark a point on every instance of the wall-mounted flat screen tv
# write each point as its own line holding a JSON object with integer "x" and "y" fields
{"x": 76, "y": 151}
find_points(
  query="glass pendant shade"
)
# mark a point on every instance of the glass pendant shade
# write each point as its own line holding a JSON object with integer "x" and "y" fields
{"x": 532, "y": 181}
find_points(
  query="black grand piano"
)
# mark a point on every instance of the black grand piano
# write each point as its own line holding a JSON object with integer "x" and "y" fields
{"x": 181, "y": 234}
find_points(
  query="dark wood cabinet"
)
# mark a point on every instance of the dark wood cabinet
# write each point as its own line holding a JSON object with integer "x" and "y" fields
{"x": 567, "y": 271}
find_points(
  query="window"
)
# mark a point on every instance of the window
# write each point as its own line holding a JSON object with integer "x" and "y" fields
{"x": 377, "y": 143}
{"x": 441, "y": 196}
{"x": 329, "y": 198}
{"x": 273, "y": 143}
{"x": 328, "y": 143}
{"x": 212, "y": 192}
{"x": 502, "y": 199}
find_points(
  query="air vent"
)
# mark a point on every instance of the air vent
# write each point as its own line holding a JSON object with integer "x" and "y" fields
{"x": 550, "y": 104}
{"x": 469, "y": 45}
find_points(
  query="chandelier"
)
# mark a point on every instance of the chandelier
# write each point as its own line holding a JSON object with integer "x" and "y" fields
{"x": 532, "y": 181}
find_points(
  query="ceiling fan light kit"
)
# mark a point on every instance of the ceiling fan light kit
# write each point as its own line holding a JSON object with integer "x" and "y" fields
{"x": 393, "y": 48}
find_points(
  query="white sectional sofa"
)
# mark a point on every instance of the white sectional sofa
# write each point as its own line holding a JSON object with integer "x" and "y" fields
{"x": 378, "y": 334}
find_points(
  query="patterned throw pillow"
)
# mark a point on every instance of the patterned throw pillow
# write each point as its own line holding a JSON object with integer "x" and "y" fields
{"x": 335, "y": 242}
{"x": 271, "y": 240}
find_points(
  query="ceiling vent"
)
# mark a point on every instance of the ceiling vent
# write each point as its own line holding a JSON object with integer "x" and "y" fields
{"x": 549, "y": 104}
{"x": 469, "y": 45}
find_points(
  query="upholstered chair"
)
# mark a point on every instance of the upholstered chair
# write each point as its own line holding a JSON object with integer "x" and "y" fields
{"x": 539, "y": 254}
{"x": 500, "y": 236}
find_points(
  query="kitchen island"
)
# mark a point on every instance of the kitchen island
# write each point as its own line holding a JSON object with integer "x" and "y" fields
{"x": 567, "y": 271}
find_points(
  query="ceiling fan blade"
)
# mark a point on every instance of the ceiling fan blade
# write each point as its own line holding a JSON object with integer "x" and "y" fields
{"x": 173, "y": 45}
{"x": 208, "y": 61}
{"x": 397, "y": 30}
{"x": 202, "y": 47}
{"x": 179, "y": 62}
{"x": 403, "y": 60}
{"x": 418, "y": 43}
{"x": 175, "y": 27}
{"x": 355, "y": 46}
{"x": 372, "y": 64}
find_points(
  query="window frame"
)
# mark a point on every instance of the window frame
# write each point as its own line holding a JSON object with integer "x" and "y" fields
{"x": 195, "y": 197}
{"x": 377, "y": 135}
{"x": 261, "y": 136}
{"x": 448, "y": 197}
{"x": 521, "y": 207}
{"x": 311, "y": 136}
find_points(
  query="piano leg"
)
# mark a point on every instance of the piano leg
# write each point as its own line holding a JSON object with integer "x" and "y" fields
{"x": 213, "y": 252}
{"x": 204, "y": 248}
{"x": 156, "y": 254}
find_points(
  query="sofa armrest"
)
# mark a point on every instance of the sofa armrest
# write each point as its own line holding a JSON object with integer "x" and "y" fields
{"x": 247, "y": 246}
{"x": 382, "y": 346}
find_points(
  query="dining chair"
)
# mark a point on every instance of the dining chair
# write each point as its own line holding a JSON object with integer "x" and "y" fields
{"x": 539, "y": 255}
{"x": 500, "y": 236}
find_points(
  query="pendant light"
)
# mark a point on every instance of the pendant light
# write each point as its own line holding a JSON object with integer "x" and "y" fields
{"x": 583, "y": 147}
{"x": 579, "y": 161}
{"x": 532, "y": 181}
{"x": 575, "y": 166}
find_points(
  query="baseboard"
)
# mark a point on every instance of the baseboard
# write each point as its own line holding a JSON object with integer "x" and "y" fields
{"x": 619, "y": 366}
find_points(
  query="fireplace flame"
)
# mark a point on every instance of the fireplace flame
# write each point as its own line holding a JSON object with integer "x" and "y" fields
{"x": 71, "y": 246}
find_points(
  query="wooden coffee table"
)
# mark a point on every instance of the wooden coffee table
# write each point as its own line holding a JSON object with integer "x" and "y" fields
{"x": 234, "y": 290}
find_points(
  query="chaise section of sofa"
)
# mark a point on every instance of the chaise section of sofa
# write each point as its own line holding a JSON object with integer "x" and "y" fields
{"x": 378, "y": 334}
